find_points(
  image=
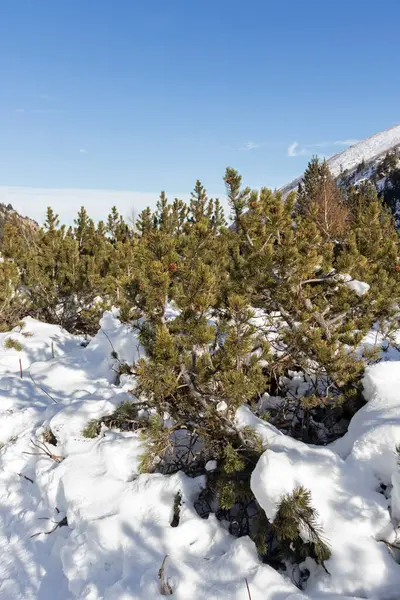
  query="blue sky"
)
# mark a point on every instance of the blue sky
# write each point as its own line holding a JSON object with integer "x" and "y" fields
{"x": 149, "y": 95}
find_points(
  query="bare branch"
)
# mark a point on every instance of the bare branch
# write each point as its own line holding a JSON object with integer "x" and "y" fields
{"x": 44, "y": 451}
{"x": 62, "y": 523}
{"x": 248, "y": 589}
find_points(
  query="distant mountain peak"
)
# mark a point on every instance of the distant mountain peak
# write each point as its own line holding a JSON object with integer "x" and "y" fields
{"x": 368, "y": 151}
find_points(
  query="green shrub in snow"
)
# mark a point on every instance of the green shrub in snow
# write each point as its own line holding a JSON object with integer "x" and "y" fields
{"x": 11, "y": 343}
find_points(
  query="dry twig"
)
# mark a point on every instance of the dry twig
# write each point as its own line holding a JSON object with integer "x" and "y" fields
{"x": 248, "y": 589}
{"x": 58, "y": 524}
{"x": 44, "y": 451}
{"x": 25, "y": 477}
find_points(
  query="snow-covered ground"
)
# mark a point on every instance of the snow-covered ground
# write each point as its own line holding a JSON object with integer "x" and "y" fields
{"x": 118, "y": 522}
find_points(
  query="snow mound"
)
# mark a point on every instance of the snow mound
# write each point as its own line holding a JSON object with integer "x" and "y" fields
{"x": 119, "y": 522}
{"x": 90, "y": 371}
{"x": 344, "y": 480}
{"x": 39, "y": 341}
{"x": 374, "y": 431}
{"x": 114, "y": 524}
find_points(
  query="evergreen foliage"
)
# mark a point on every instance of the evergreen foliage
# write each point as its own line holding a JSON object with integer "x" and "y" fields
{"x": 67, "y": 276}
{"x": 10, "y": 306}
{"x": 12, "y": 343}
{"x": 125, "y": 418}
{"x": 297, "y": 529}
{"x": 296, "y": 272}
{"x": 388, "y": 164}
{"x": 391, "y": 191}
{"x": 223, "y": 313}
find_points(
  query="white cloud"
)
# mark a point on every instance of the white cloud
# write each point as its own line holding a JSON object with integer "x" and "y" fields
{"x": 250, "y": 146}
{"x": 48, "y": 111}
{"x": 41, "y": 111}
{"x": 82, "y": 150}
{"x": 294, "y": 150}
{"x": 349, "y": 142}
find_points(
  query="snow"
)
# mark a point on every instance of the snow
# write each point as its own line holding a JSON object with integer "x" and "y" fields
{"x": 371, "y": 148}
{"x": 39, "y": 341}
{"x": 359, "y": 287}
{"x": 211, "y": 465}
{"x": 344, "y": 480}
{"x": 119, "y": 521}
{"x": 221, "y": 406}
{"x": 367, "y": 149}
{"x": 374, "y": 431}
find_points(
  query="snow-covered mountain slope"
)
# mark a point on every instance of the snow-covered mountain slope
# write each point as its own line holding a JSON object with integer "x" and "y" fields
{"x": 368, "y": 151}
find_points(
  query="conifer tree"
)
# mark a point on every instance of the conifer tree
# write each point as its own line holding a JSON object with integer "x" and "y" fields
{"x": 201, "y": 365}
{"x": 294, "y": 269}
{"x": 388, "y": 164}
{"x": 319, "y": 197}
{"x": 68, "y": 276}
{"x": 391, "y": 191}
{"x": 10, "y": 302}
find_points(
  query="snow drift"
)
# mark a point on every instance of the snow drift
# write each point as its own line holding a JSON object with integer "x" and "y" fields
{"x": 114, "y": 524}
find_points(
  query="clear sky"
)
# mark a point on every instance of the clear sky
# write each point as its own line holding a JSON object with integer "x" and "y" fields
{"x": 153, "y": 94}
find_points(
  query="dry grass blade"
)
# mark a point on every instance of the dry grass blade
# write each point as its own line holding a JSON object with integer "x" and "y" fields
{"x": 43, "y": 390}
{"x": 166, "y": 589}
